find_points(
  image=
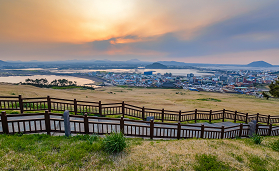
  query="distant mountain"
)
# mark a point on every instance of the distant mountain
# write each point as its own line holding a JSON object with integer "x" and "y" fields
{"x": 259, "y": 64}
{"x": 156, "y": 65}
{"x": 133, "y": 61}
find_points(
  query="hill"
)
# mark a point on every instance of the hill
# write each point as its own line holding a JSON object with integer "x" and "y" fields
{"x": 259, "y": 64}
{"x": 156, "y": 65}
{"x": 2, "y": 62}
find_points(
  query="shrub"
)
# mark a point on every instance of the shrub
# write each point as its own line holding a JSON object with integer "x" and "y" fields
{"x": 257, "y": 139}
{"x": 275, "y": 145}
{"x": 209, "y": 163}
{"x": 114, "y": 143}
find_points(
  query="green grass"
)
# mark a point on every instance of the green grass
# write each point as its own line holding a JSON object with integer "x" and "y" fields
{"x": 239, "y": 158}
{"x": 275, "y": 145}
{"x": 257, "y": 163}
{"x": 69, "y": 153}
{"x": 52, "y": 152}
{"x": 66, "y": 87}
{"x": 210, "y": 163}
{"x": 210, "y": 99}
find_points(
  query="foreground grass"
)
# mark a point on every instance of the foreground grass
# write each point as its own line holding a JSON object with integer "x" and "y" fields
{"x": 43, "y": 152}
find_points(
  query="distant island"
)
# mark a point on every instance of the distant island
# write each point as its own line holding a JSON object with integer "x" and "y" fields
{"x": 259, "y": 64}
{"x": 156, "y": 65}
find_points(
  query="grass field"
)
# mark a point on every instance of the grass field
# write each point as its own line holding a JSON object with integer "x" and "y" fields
{"x": 169, "y": 99}
{"x": 43, "y": 152}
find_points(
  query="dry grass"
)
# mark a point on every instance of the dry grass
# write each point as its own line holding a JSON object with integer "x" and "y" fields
{"x": 169, "y": 99}
{"x": 180, "y": 155}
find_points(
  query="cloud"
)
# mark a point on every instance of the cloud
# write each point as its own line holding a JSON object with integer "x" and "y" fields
{"x": 111, "y": 29}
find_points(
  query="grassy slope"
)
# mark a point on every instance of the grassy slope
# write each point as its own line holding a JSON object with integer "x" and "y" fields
{"x": 37, "y": 152}
{"x": 170, "y": 99}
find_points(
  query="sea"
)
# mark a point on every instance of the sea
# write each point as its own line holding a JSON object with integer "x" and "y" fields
{"x": 84, "y": 81}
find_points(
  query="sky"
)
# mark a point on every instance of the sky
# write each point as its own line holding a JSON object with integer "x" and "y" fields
{"x": 191, "y": 31}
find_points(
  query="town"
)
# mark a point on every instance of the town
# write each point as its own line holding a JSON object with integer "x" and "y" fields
{"x": 243, "y": 82}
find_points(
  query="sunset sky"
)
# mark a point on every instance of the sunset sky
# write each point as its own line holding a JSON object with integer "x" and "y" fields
{"x": 192, "y": 31}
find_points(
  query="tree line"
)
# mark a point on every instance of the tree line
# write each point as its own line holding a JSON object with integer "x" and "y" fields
{"x": 45, "y": 82}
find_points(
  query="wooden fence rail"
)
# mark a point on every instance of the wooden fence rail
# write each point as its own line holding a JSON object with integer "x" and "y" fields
{"x": 82, "y": 124}
{"x": 98, "y": 108}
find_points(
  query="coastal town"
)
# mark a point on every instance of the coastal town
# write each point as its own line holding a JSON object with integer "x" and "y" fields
{"x": 243, "y": 82}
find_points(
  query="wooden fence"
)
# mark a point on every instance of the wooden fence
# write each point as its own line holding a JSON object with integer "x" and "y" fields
{"x": 102, "y": 109}
{"x": 82, "y": 124}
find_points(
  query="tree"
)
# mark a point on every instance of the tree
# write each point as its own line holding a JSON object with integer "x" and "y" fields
{"x": 54, "y": 82}
{"x": 274, "y": 88}
{"x": 265, "y": 95}
{"x": 28, "y": 80}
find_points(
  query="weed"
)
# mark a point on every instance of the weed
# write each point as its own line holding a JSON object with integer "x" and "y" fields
{"x": 237, "y": 157}
{"x": 257, "y": 139}
{"x": 209, "y": 163}
{"x": 114, "y": 143}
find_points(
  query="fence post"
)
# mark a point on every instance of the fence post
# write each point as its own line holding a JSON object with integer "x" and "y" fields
{"x": 235, "y": 116}
{"x": 75, "y": 106}
{"x": 202, "y": 130}
{"x": 179, "y": 116}
{"x": 4, "y": 121}
{"x": 269, "y": 130}
{"x": 268, "y": 119}
{"x": 123, "y": 108}
{"x": 240, "y": 131}
{"x": 163, "y": 113}
{"x": 222, "y": 132}
{"x": 86, "y": 126}
{"x": 178, "y": 130}
{"x": 257, "y": 127}
{"x": 67, "y": 125}
{"x": 100, "y": 108}
{"x": 47, "y": 122}
{"x": 48, "y": 103}
{"x": 257, "y": 117}
{"x": 122, "y": 125}
{"x": 246, "y": 121}
{"x": 224, "y": 111}
{"x": 196, "y": 111}
{"x": 210, "y": 113}
{"x": 20, "y": 103}
{"x": 142, "y": 112}
{"x": 151, "y": 129}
